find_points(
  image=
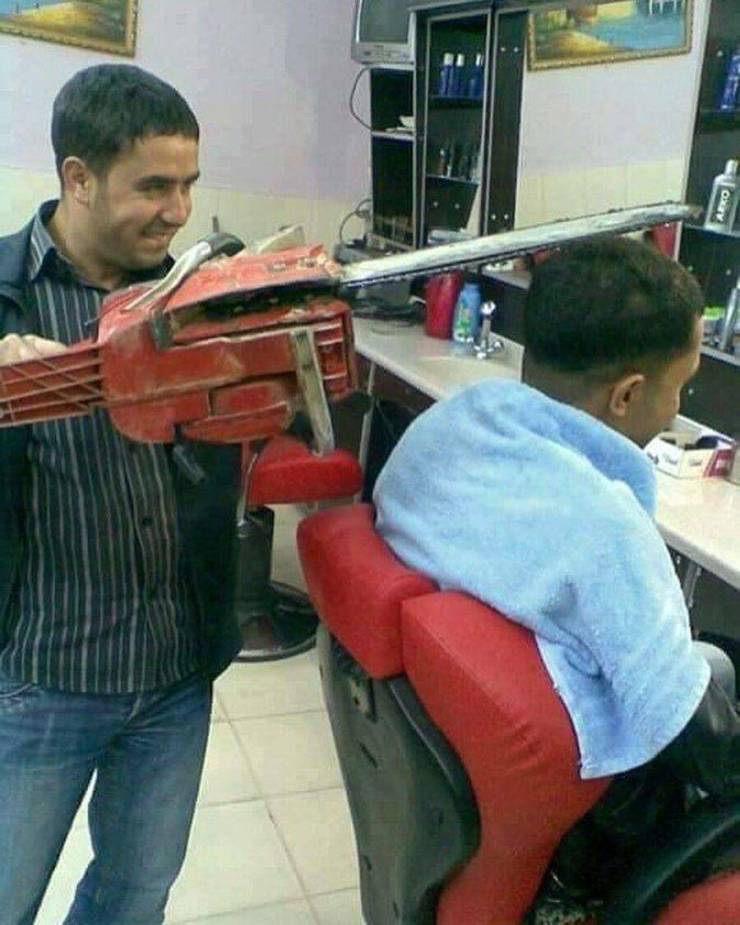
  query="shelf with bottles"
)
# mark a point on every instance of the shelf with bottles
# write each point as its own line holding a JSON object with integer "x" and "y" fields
{"x": 460, "y": 78}
{"x": 454, "y": 160}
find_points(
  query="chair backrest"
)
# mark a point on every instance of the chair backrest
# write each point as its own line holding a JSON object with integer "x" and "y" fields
{"x": 357, "y": 585}
{"x": 481, "y": 680}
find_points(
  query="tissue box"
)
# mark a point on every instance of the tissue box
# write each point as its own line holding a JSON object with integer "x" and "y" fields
{"x": 676, "y": 452}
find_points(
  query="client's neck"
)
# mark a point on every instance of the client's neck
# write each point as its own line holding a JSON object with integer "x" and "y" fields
{"x": 576, "y": 389}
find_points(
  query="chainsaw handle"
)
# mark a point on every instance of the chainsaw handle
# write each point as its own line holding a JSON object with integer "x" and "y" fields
{"x": 221, "y": 242}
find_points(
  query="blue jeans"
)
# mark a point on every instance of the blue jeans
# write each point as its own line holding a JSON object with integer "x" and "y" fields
{"x": 148, "y": 752}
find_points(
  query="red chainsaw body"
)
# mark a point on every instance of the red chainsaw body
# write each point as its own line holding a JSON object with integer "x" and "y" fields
{"x": 213, "y": 360}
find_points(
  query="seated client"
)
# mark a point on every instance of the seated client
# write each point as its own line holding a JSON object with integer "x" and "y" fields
{"x": 537, "y": 499}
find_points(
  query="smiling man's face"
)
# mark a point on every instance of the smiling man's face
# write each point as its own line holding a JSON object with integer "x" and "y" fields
{"x": 142, "y": 201}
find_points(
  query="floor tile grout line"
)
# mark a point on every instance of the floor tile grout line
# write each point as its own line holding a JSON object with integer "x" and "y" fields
{"x": 246, "y": 719}
{"x": 284, "y": 840}
{"x": 274, "y": 823}
{"x": 291, "y": 858}
{"x": 250, "y": 719}
{"x": 273, "y": 796}
{"x": 260, "y": 794}
{"x": 315, "y": 896}
{"x": 244, "y": 755}
{"x": 219, "y": 915}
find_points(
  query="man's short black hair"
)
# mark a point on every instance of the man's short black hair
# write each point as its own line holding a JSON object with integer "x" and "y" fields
{"x": 101, "y": 111}
{"x": 607, "y": 304}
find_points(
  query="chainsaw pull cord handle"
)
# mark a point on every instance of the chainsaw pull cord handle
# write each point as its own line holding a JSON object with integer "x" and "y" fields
{"x": 213, "y": 245}
{"x": 223, "y": 243}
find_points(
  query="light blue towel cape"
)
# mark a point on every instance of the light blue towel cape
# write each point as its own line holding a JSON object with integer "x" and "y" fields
{"x": 545, "y": 513}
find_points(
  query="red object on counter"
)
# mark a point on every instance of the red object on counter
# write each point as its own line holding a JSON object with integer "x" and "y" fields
{"x": 441, "y": 294}
{"x": 663, "y": 238}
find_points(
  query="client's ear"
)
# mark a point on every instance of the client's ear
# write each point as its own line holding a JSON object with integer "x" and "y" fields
{"x": 625, "y": 395}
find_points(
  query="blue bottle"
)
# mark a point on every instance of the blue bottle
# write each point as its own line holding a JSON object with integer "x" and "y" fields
{"x": 458, "y": 77}
{"x": 729, "y": 99}
{"x": 475, "y": 81}
{"x": 444, "y": 87}
{"x": 467, "y": 314}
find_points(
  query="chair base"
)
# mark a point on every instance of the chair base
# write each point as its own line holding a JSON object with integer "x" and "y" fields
{"x": 413, "y": 810}
{"x": 283, "y": 626}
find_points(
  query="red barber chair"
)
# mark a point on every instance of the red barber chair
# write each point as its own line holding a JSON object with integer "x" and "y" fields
{"x": 277, "y": 620}
{"x": 459, "y": 758}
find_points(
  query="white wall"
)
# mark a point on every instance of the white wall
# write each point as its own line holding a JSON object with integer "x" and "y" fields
{"x": 608, "y": 135}
{"x": 268, "y": 80}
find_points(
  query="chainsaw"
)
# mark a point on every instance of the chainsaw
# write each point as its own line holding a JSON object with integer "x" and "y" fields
{"x": 231, "y": 344}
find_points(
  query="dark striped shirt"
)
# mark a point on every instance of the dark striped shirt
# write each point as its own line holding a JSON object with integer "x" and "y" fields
{"x": 101, "y": 604}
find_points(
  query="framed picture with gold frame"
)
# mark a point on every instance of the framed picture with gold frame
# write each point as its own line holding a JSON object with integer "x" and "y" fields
{"x": 606, "y": 32}
{"x": 106, "y": 25}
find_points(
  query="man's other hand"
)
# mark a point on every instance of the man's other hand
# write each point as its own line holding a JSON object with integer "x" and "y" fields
{"x": 15, "y": 348}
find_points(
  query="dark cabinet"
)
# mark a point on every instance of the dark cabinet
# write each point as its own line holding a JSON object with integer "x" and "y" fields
{"x": 445, "y": 133}
{"x": 392, "y": 158}
{"x": 453, "y": 85}
{"x": 469, "y": 68}
{"x": 712, "y": 397}
{"x": 714, "y": 258}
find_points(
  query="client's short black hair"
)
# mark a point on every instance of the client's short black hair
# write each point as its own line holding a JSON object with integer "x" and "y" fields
{"x": 606, "y": 304}
{"x": 103, "y": 110}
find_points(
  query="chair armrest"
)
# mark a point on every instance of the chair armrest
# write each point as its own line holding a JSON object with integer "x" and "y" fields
{"x": 685, "y": 855}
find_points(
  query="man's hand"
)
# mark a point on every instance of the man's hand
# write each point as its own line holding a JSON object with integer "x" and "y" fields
{"x": 14, "y": 348}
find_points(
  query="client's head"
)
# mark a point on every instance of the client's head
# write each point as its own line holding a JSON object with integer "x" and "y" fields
{"x": 614, "y": 328}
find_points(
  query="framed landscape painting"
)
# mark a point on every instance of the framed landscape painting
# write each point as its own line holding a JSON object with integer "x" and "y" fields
{"x": 601, "y": 32}
{"x": 106, "y": 25}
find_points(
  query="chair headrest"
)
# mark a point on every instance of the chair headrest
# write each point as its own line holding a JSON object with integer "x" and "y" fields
{"x": 287, "y": 471}
{"x": 357, "y": 585}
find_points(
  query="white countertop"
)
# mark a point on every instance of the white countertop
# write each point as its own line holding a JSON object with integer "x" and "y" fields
{"x": 699, "y": 518}
{"x": 435, "y": 367}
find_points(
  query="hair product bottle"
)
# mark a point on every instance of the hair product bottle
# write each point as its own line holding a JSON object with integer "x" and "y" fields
{"x": 723, "y": 201}
{"x": 444, "y": 87}
{"x": 728, "y": 101}
{"x": 467, "y": 314}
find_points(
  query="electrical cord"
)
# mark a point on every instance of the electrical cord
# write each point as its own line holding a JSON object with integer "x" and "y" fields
{"x": 356, "y": 211}
{"x": 352, "y": 100}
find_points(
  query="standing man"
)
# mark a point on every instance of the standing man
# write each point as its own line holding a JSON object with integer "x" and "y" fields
{"x": 116, "y": 565}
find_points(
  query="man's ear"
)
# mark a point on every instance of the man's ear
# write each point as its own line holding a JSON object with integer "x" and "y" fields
{"x": 77, "y": 180}
{"x": 625, "y": 393}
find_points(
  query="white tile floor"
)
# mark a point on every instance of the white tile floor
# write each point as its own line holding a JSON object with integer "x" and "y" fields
{"x": 272, "y": 842}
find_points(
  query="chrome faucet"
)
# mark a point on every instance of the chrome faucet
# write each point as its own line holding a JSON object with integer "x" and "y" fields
{"x": 729, "y": 322}
{"x": 487, "y": 344}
